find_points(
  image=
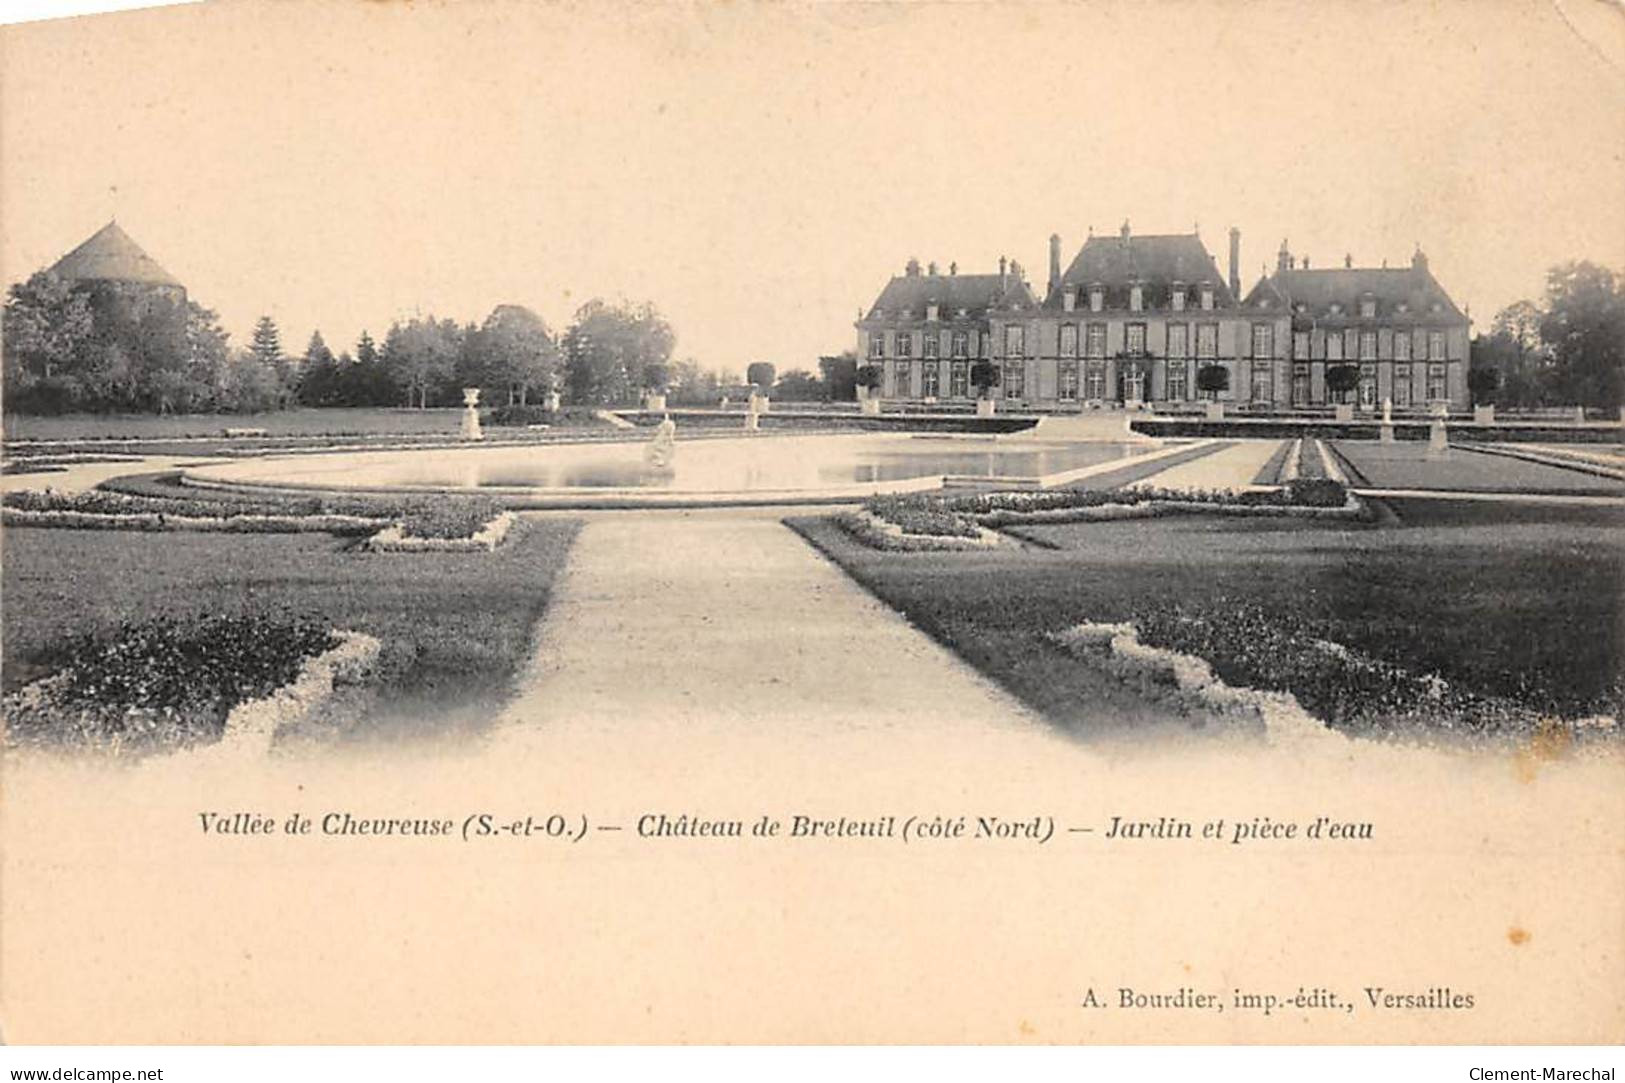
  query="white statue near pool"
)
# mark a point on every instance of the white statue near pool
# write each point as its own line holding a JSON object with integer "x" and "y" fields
{"x": 663, "y": 448}
{"x": 471, "y": 414}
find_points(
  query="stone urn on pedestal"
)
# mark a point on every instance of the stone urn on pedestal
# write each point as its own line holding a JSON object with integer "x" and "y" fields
{"x": 1387, "y": 431}
{"x": 471, "y": 414}
{"x": 1438, "y": 437}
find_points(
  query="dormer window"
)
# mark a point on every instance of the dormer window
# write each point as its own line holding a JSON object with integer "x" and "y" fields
{"x": 1435, "y": 307}
{"x": 1368, "y": 307}
{"x": 1337, "y": 308}
{"x": 1097, "y": 298}
{"x": 1404, "y": 307}
{"x": 931, "y": 311}
{"x": 960, "y": 312}
{"x": 1207, "y": 297}
{"x": 1069, "y": 300}
{"x": 1136, "y": 298}
{"x": 1177, "y": 297}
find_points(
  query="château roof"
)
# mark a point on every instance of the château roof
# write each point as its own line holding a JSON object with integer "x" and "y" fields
{"x": 111, "y": 256}
{"x": 1411, "y": 291}
{"x": 1152, "y": 261}
{"x": 976, "y": 294}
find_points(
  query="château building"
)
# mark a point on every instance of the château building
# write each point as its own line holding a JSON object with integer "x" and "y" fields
{"x": 1137, "y": 318}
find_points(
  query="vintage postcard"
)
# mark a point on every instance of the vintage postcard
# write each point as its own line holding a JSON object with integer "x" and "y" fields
{"x": 1016, "y": 523}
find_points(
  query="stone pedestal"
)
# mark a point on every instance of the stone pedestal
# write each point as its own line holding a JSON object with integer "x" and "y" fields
{"x": 1579, "y": 415}
{"x": 985, "y": 407}
{"x": 753, "y": 419}
{"x": 471, "y": 414}
{"x": 758, "y": 404}
{"x": 654, "y": 401}
{"x": 1345, "y": 411}
{"x": 1215, "y": 411}
{"x": 1438, "y": 439}
{"x": 552, "y": 402}
{"x": 1484, "y": 415}
{"x": 869, "y": 405}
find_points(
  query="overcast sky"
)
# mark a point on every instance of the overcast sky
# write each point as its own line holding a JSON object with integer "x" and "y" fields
{"x": 758, "y": 171}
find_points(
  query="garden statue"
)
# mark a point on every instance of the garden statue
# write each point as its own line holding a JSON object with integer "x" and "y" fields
{"x": 1387, "y": 431}
{"x": 471, "y": 414}
{"x": 1438, "y": 439}
{"x": 753, "y": 417}
{"x": 663, "y": 448}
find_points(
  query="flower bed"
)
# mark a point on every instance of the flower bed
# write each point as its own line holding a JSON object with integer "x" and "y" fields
{"x": 878, "y": 533}
{"x": 1245, "y": 648}
{"x": 163, "y": 682}
{"x": 430, "y": 535}
{"x": 967, "y": 516}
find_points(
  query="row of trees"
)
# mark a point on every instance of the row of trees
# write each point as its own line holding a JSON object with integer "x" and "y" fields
{"x": 106, "y": 347}
{"x": 1566, "y": 350}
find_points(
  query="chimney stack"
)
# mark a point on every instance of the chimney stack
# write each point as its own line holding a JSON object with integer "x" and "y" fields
{"x": 1283, "y": 259}
{"x": 1004, "y": 268}
{"x": 1054, "y": 261}
{"x": 1235, "y": 262}
{"x": 913, "y": 268}
{"x": 931, "y": 268}
{"x": 953, "y": 267}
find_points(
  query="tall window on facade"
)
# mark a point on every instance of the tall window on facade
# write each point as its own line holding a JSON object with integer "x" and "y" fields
{"x": 1436, "y": 386}
{"x": 1334, "y": 346}
{"x": 1015, "y": 381}
{"x": 1178, "y": 384}
{"x": 1069, "y": 340}
{"x": 905, "y": 344}
{"x": 1300, "y": 384}
{"x": 930, "y": 344}
{"x": 959, "y": 380}
{"x": 1134, "y": 340}
{"x": 1094, "y": 381}
{"x": 1368, "y": 386}
{"x": 877, "y": 344}
{"x": 1207, "y": 340}
{"x": 905, "y": 380}
{"x": 1402, "y": 380}
{"x": 961, "y": 344}
{"x": 1013, "y": 340}
{"x": 1179, "y": 335}
{"x": 1368, "y": 345}
{"x": 1300, "y": 346}
{"x": 1262, "y": 384}
{"x": 1095, "y": 343}
{"x": 1351, "y": 344}
{"x": 1402, "y": 345}
{"x": 1068, "y": 390}
{"x": 928, "y": 380}
{"x": 1436, "y": 346}
{"x": 1263, "y": 340}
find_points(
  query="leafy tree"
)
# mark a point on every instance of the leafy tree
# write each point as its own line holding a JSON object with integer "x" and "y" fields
{"x": 1482, "y": 383}
{"x": 759, "y": 374}
{"x": 421, "y": 357}
{"x": 607, "y": 348}
{"x": 47, "y": 328}
{"x": 840, "y": 376}
{"x": 1212, "y": 379}
{"x": 1584, "y": 325}
{"x": 799, "y": 385}
{"x": 984, "y": 377}
{"x": 656, "y": 377}
{"x": 512, "y": 353}
{"x": 1341, "y": 380}
{"x": 870, "y": 376}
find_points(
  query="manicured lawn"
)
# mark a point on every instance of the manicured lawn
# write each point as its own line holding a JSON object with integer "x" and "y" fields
{"x": 456, "y": 627}
{"x": 1498, "y": 605}
{"x": 1407, "y": 466}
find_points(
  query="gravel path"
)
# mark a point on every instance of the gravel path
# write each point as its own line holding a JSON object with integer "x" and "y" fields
{"x": 1231, "y": 468}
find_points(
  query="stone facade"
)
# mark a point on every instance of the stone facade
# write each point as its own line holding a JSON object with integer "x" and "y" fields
{"x": 1138, "y": 318}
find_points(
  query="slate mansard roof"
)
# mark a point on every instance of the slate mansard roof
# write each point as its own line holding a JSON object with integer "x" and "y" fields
{"x": 111, "y": 256}
{"x": 1153, "y": 261}
{"x": 1409, "y": 293}
{"x": 977, "y": 295}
